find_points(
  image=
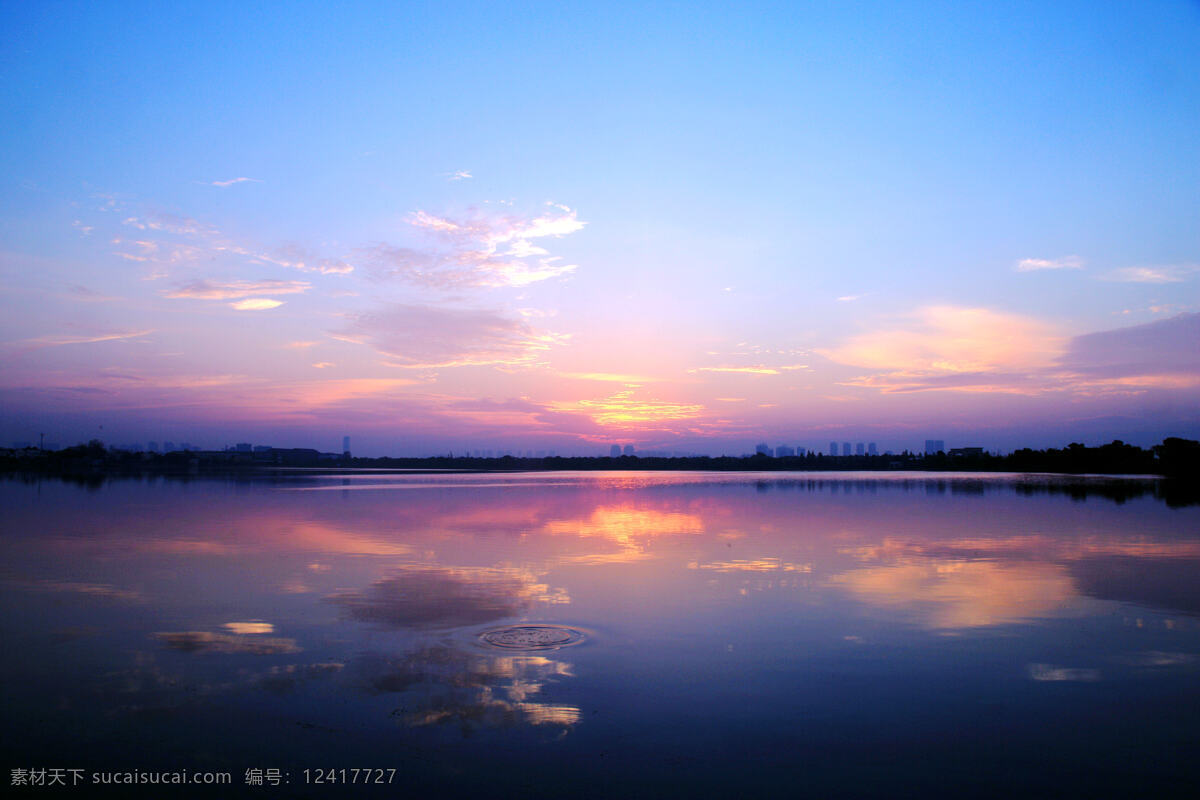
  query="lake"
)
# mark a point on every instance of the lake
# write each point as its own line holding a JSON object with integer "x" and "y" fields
{"x": 604, "y": 634}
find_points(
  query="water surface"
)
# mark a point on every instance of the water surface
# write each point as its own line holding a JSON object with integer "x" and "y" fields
{"x": 821, "y": 634}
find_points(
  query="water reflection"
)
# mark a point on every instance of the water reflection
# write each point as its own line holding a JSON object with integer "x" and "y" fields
{"x": 259, "y": 620}
{"x": 440, "y": 685}
{"x": 944, "y": 593}
{"x": 420, "y": 597}
{"x": 207, "y": 642}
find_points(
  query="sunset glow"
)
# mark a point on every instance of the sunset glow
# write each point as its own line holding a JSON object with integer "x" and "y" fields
{"x": 472, "y": 231}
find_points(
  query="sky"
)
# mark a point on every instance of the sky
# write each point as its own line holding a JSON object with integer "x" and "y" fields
{"x": 689, "y": 227}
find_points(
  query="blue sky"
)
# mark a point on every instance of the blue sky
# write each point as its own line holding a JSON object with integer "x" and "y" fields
{"x": 721, "y": 188}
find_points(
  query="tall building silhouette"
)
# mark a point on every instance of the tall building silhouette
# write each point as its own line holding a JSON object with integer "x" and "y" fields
{"x": 628, "y": 450}
{"x": 346, "y": 445}
{"x": 934, "y": 446}
{"x": 614, "y": 451}
{"x": 860, "y": 449}
{"x": 872, "y": 450}
{"x": 845, "y": 448}
{"x": 833, "y": 451}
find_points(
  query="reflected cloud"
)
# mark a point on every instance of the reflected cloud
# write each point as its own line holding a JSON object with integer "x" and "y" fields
{"x": 425, "y": 597}
{"x": 207, "y": 642}
{"x": 1049, "y": 672}
{"x": 756, "y": 565}
{"x": 288, "y": 677}
{"x": 78, "y": 587}
{"x": 441, "y": 685}
{"x": 946, "y": 593}
{"x": 1159, "y": 658}
{"x": 630, "y": 528}
{"x": 249, "y": 628}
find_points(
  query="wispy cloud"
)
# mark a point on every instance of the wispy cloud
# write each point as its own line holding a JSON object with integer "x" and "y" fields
{"x": 232, "y": 181}
{"x": 1164, "y": 274}
{"x": 79, "y": 292}
{"x": 291, "y": 256}
{"x": 169, "y": 239}
{"x": 256, "y": 304}
{"x": 753, "y": 370}
{"x": 169, "y": 223}
{"x": 87, "y": 338}
{"x": 1035, "y": 264}
{"x": 460, "y": 175}
{"x": 233, "y": 290}
{"x": 609, "y": 377}
{"x": 480, "y": 250}
{"x": 426, "y": 337}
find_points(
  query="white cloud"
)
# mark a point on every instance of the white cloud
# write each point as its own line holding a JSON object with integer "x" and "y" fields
{"x": 1035, "y": 264}
{"x": 1166, "y": 274}
{"x": 459, "y": 175}
{"x": 232, "y": 181}
{"x": 481, "y": 250}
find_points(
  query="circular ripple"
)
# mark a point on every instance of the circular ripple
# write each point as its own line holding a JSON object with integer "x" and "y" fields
{"x": 532, "y": 637}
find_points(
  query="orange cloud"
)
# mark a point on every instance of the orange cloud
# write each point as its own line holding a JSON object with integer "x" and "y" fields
{"x": 623, "y": 409}
{"x": 948, "y": 339}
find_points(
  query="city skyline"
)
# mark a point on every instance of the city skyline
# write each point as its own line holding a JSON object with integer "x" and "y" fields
{"x": 443, "y": 228}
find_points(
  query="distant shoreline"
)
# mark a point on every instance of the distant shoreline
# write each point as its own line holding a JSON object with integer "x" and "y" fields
{"x": 1175, "y": 458}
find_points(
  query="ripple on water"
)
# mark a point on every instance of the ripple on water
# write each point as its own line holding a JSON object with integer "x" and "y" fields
{"x": 532, "y": 637}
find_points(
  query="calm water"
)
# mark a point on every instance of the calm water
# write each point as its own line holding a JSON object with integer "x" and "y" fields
{"x": 801, "y": 634}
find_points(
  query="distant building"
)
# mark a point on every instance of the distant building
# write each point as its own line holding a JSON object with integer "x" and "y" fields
{"x": 762, "y": 449}
{"x": 153, "y": 446}
{"x": 801, "y": 451}
{"x": 346, "y": 445}
{"x": 833, "y": 451}
{"x": 615, "y": 451}
{"x": 262, "y": 448}
{"x": 783, "y": 451}
{"x": 845, "y": 448}
{"x": 872, "y": 450}
{"x": 628, "y": 451}
{"x": 244, "y": 447}
{"x": 934, "y": 446}
{"x": 860, "y": 449}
